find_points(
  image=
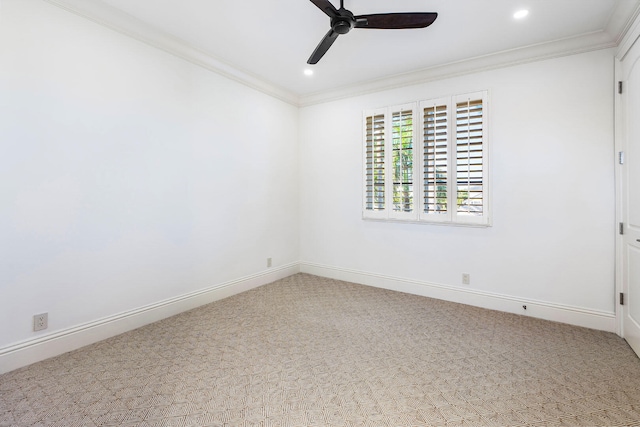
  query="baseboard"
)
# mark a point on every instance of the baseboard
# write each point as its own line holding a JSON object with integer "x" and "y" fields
{"x": 28, "y": 352}
{"x": 539, "y": 309}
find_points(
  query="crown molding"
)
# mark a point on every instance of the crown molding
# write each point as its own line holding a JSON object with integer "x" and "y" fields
{"x": 559, "y": 48}
{"x": 622, "y": 19}
{"x": 629, "y": 34}
{"x": 128, "y": 25}
{"x": 622, "y": 30}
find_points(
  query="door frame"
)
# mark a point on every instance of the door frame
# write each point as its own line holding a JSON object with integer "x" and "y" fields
{"x": 620, "y": 141}
{"x": 618, "y": 147}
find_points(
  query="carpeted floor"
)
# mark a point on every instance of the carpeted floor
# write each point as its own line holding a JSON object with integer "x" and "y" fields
{"x": 309, "y": 351}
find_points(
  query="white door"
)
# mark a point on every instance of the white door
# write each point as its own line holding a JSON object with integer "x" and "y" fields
{"x": 629, "y": 193}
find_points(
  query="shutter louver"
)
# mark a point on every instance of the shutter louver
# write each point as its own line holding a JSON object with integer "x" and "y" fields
{"x": 435, "y": 151}
{"x": 469, "y": 157}
{"x": 402, "y": 160}
{"x": 375, "y": 159}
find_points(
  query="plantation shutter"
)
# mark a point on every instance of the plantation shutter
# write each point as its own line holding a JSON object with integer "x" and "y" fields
{"x": 402, "y": 132}
{"x": 435, "y": 152}
{"x": 470, "y": 157}
{"x": 440, "y": 177}
{"x": 375, "y": 155}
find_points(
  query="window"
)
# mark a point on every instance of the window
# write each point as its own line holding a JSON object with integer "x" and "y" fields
{"x": 428, "y": 161}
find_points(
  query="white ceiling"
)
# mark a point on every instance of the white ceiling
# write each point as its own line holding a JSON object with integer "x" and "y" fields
{"x": 267, "y": 43}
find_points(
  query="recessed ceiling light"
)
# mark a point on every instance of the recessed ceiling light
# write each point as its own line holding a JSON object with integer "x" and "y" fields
{"x": 308, "y": 72}
{"x": 521, "y": 14}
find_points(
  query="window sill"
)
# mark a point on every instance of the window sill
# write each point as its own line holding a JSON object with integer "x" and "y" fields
{"x": 424, "y": 222}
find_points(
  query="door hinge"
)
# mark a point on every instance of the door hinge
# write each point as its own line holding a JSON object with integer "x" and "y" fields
{"x": 621, "y": 157}
{"x": 621, "y": 227}
{"x": 620, "y": 87}
{"x": 621, "y": 298}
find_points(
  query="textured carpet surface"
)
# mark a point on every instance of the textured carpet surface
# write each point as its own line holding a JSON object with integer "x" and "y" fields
{"x": 310, "y": 351}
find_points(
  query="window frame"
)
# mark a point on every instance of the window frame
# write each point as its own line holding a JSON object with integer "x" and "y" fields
{"x": 418, "y": 213}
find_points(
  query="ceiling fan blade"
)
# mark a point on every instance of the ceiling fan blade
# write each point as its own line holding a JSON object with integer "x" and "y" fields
{"x": 326, "y": 7}
{"x": 396, "y": 20}
{"x": 323, "y": 47}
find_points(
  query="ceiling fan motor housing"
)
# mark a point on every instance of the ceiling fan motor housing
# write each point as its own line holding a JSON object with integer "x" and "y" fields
{"x": 343, "y": 24}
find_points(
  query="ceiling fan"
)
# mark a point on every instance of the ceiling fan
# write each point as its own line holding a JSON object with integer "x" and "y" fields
{"x": 342, "y": 21}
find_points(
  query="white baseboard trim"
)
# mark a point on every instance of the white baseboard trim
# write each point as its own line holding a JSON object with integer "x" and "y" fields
{"x": 44, "y": 347}
{"x": 577, "y": 316}
{"x": 54, "y": 344}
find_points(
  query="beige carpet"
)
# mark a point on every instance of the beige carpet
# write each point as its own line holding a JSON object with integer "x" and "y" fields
{"x": 309, "y": 351}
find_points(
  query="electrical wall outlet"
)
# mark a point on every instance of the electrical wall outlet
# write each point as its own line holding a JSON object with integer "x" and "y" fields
{"x": 269, "y": 262}
{"x": 466, "y": 278}
{"x": 40, "y": 321}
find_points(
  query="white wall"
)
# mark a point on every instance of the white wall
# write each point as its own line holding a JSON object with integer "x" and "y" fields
{"x": 551, "y": 142}
{"x": 129, "y": 176}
